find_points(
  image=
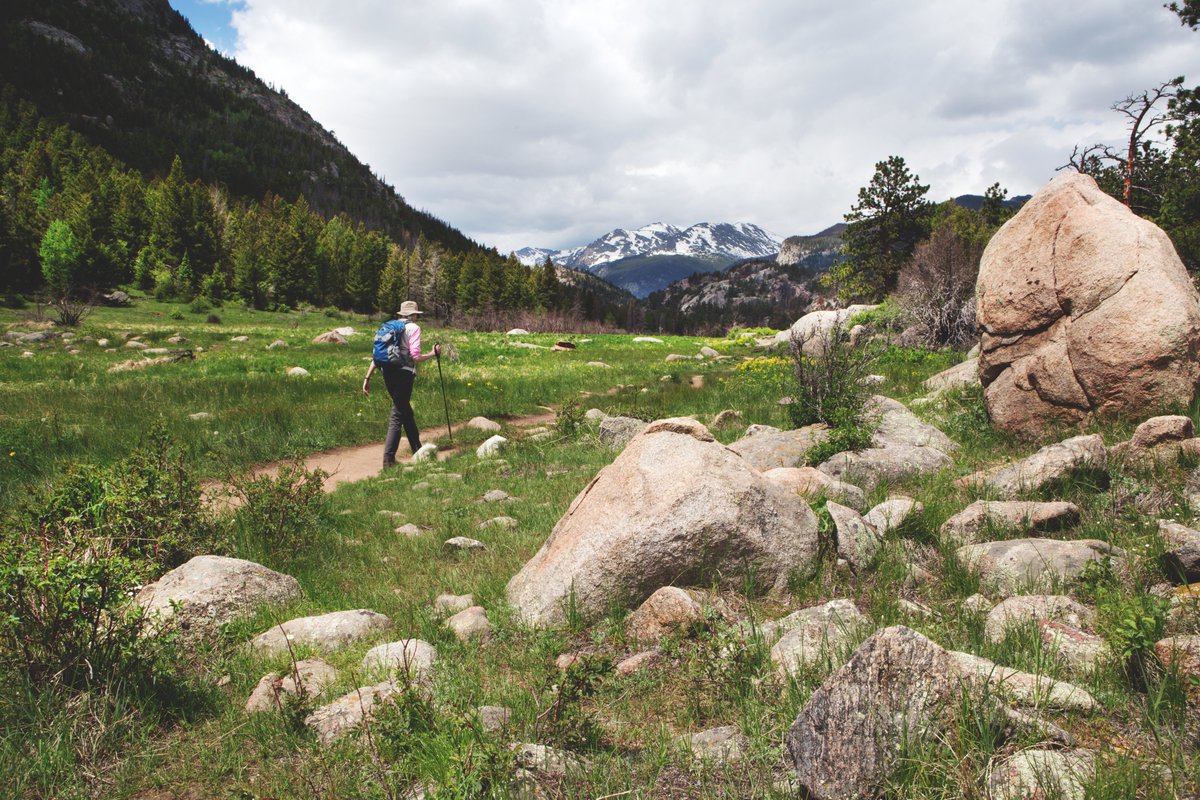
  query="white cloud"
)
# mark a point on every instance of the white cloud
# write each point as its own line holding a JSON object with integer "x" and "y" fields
{"x": 548, "y": 122}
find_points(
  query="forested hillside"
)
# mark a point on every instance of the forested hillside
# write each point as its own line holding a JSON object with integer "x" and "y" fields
{"x": 133, "y": 154}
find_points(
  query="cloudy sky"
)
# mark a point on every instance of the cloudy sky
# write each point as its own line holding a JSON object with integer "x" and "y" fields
{"x": 551, "y": 122}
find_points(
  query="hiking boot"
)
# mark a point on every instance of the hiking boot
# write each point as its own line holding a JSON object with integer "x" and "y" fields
{"x": 391, "y": 463}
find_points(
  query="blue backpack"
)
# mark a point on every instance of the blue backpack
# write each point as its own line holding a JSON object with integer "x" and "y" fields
{"x": 391, "y": 345}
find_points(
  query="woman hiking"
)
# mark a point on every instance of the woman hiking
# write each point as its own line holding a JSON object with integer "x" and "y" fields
{"x": 396, "y": 354}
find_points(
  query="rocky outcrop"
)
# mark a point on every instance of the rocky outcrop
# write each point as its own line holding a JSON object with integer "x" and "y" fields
{"x": 675, "y": 507}
{"x": 210, "y": 591}
{"x": 1085, "y": 309}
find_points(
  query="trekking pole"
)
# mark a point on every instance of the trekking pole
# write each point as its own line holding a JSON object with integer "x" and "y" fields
{"x": 445, "y": 402}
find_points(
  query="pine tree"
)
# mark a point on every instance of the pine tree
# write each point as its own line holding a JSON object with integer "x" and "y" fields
{"x": 60, "y": 258}
{"x": 548, "y": 289}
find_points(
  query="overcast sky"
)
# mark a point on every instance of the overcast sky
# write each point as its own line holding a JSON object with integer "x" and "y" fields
{"x": 551, "y": 122}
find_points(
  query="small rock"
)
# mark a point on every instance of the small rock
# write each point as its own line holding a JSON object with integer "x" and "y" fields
{"x": 496, "y": 496}
{"x": 647, "y": 339}
{"x": 408, "y": 529}
{"x": 637, "y": 663}
{"x": 102, "y": 343}
{"x": 1081, "y": 454}
{"x": 484, "y": 424}
{"x": 1033, "y": 565}
{"x": 427, "y": 452}
{"x": 412, "y": 656}
{"x": 277, "y": 344}
{"x": 470, "y": 624}
{"x": 727, "y": 417}
{"x": 677, "y": 357}
{"x": 857, "y": 542}
{"x": 914, "y": 609}
{"x": 1080, "y": 651}
{"x": 566, "y": 660}
{"x": 297, "y": 372}
{"x": 1180, "y": 558}
{"x": 708, "y": 352}
{"x": 814, "y": 635}
{"x": 667, "y": 612}
{"x": 892, "y": 513}
{"x": 546, "y": 760}
{"x": 494, "y": 719}
{"x": 272, "y": 689}
{"x": 982, "y": 516}
{"x": 200, "y": 415}
{"x": 491, "y": 447}
{"x": 1039, "y": 773}
{"x": 453, "y": 603}
{"x": 1029, "y": 609}
{"x": 595, "y": 415}
{"x": 463, "y": 543}
{"x": 812, "y": 484}
{"x": 1157, "y": 430}
{"x": 517, "y": 332}
{"x": 498, "y": 522}
{"x": 330, "y": 722}
{"x": 239, "y": 339}
{"x": 133, "y": 344}
{"x": 329, "y": 337}
{"x": 977, "y": 604}
{"x": 616, "y": 432}
{"x": 598, "y": 365}
{"x": 325, "y": 632}
{"x": 718, "y": 746}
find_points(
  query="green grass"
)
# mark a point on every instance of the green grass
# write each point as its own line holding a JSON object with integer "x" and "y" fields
{"x": 119, "y": 746}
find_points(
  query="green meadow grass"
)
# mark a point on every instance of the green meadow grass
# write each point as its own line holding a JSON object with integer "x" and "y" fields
{"x": 125, "y": 747}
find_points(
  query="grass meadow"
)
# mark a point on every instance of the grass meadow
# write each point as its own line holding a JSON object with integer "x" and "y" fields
{"x": 61, "y": 409}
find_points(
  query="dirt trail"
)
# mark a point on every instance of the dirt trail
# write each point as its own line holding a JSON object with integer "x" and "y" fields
{"x": 348, "y": 464}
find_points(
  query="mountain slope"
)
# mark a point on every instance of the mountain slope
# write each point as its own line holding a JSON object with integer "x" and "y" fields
{"x": 134, "y": 78}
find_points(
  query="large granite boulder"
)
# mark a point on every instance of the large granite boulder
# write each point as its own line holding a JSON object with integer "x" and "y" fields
{"x": 767, "y": 448}
{"x": 1033, "y": 566}
{"x": 1085, "y": 309}
{"x": 813, "y": 329}
{"x": 996, "y": 516}
{"x": 210, "y": 591}
{"x": 675, "y": 507}
{"x": 1079, "y": 455}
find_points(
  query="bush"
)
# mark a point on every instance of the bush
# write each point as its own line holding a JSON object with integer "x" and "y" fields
{"x": 829, "y": 375}
{"x": 936, "y": 288}
{"x": 213, "y": 319}
{"x": 280, "y": 514}
{"x": 569, "y": 418}
{"x": 199, "y": 306}
{"x": 176, "y": 315}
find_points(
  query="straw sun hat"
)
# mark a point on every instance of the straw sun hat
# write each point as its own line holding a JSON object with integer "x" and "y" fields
{"x": 408, "y": 308}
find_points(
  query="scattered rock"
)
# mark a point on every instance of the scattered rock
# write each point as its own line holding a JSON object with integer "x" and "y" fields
{"x": 977, "y": 604}
{"x": 484, "y": 424}
{"x": 329, "y": 337}
{"x": 273, "y": 689}
{"x": 892, "y": 513}
{"x": 453, "y": 603}
{"x": 1159, "y": 430}
{"x": 1033, "y": 608}
{"x": 857, "y": 542}
{"x": 498, "y": 522}
{"x": 496, "y": 496}
{"x": 1081, "y": 454}
{"x": 617, "y": 431}
{"x": 766, "y": 448}
{"x": 134, "y": 344}
{"x": 330, "y": 722}
{"x": 814, "y": 635}
{"x": 239, "y": 338}
{"x": 877, "y": 465}
{"x": 297, "y": 372}
{"x": 811, "y": 484}
{"x": 1080, "y": 651}
{"x": 408, "y": 529}
{"x": 677, "y": 357}
{"x": 1037, "y": 773}
{"x": 595, "y": 415}
{"x": 897, "y": 426}
{"x": 1085, "y": 310}
{"x": 1033, "y": 565}
{"x": 413, "y": 657}
{"x": 494, "y": 719}
{"x": 637, "y": 663}
{"x": 517, "y": 332}
{"x": 997, "y": 516}
{"x": 102, "y": 343}
{"x": 670, "y": 611}
{"x": 812, "y": 330}
{"x": 277, "y": 344}
{"x": 960, "y": 376}
{"x": 674, "y": 506}
{"x": 324, "y": 633}
{"x": 176, "y": 339}
{"x": 200, "y": 416}
{"x": 717, "y": 746}
{"x": 210, "y": 591}
{"x": 470, "y": 624}
{"x": 491, "y": 447}
{"x": 708, "y": 352}
{"x": 726, "y": 417}
{"x": 463, "y": 543}
{"x": 1181, "y": 654}
{"x": 546, "y": 760}
{"x": 598, "y": 365}
{"x": 1180, "y": 558}
{"x": 427, "y": 452}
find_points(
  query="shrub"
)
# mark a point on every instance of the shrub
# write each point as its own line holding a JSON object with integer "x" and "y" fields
{"x": 213, "y": 319}
{"x": 176, "y": 315}
{"x": 199, "y": 306}
{"x": 280, "y": 514}
{"x": 569, "y": 417}
{"x": 937, "y": 287}
{"x": 829, "y": 375}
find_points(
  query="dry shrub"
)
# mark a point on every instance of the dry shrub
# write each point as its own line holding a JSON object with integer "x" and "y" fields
{"x": 937, "y": 288}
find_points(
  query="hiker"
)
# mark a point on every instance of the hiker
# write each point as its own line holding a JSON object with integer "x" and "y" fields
{"x": 397, "y": 352}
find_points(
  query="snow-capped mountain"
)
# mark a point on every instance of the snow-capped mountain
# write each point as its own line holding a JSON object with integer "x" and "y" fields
{"x": 649, "y": 258}
{"x": 733, "y": 241}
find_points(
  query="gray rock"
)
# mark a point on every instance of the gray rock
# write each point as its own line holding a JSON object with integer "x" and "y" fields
{"x": 1180, "y": 558}
{"x": 899, "y": 426}
{"x": 638, "y": 663}
{"x": 810, "y": 483}
{"x": 717, "y": 746}
{"x": 1032, "y": 608}
{"x": 1033, "y": 565}
{"x": 674, "y": 507}
{"x": 811, "y": 332}
{"x": 996, "y": 516}
{"x": 134, "y": 344}
{"x": 35, "y": 337}
{"x": 767, "y": 449}
{"x": 239, "y": 338}
{"x": 617, "y": 431}
{"x": 1024, "y": 688}
{"x": 498, "y": 522}
{"x": 470, "y": 624}
{"x": 1053, "y": 462}
{"x": 484, "y": 424}
{"x": 815, "y": 635}
{"x": 330, "y": 722}
{"x": 1039, "y": 773}
{"x": 1159, "y": 430}
{"x": 595, "y": 415}
{"x": 277, "y": 344}
{"x": 727, "y": 417}
{"x": 496, "y": 496}
{"x": 408, "y": 529}
{"x": 200, "y": 416}
{"x": 297, "y": 372}
{"x": 1081, "y": 651}
{"x": 324, "y": 633}
{"x": 546, "y": 760}
{"x": 464, "y": 543}
{"x": 892, "y": 513}
{"x": 210, "y": 591}
{"x": 329, "y": 337}
{"x": 708, "y": 352}
{"x": 273, "y": 690}
{"x": 876, "y": 465}
{"x": 960, "y": 376}
{"x": 428, "y": 452}
{"x": 517, "y": 332}
{"x": 670, "y": 611}
{"x": 414, "y": 657}
{"x": 857, "y": 542}
{"x": 647, "y": 339}
{"x": 453, "y": 603}
{"x": 494, "y": 719}
{"x": 977, "y": 604}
